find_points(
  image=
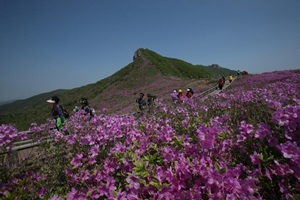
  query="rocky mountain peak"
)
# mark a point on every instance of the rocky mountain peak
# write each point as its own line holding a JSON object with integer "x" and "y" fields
{"x": 137, "y": 54}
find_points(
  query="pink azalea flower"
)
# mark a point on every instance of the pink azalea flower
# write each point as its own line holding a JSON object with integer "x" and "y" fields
{"x": 262, "y": 131}
{"x": 245, "y": 128}
{"x": 76, "y": 161}
{"x": 255, "y": 158}
{"x": 133, "y": 181}
{"x": 289, "y": 149}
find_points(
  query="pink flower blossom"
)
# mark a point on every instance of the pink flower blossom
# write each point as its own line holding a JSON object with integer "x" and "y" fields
{"x": 76, "y": 161}
{"x": 255, "y": 158}
{"x": 133, "y": 181}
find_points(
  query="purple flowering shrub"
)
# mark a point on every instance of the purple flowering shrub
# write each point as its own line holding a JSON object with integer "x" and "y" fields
{"x": 18, "y": 179}
{"x": 239, "y": 144}
{"x": 9, "y": 135}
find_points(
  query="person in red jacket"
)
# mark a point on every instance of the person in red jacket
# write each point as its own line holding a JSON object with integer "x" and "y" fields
{"x": 189, "y": 93}
{"x": 180, "y": 96}
{"x": 221, "y": 83}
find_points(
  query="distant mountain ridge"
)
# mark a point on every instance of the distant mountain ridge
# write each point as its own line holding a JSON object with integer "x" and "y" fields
{"x": 7, "y": 102}
{"x": 148, "y": 73}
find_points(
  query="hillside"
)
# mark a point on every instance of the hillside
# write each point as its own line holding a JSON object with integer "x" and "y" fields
{"x": 148, "y": 73}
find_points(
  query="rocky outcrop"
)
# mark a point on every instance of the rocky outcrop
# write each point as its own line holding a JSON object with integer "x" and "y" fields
{"x": 137, "y": 54}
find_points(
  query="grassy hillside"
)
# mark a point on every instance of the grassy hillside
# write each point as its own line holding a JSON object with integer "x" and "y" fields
{"x": 148, "y": 73}
{"x": 180, "y": 68}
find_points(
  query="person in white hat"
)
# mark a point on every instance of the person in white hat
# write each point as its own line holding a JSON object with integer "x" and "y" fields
{"x": 174, "y": 97}
{"x": 85, "y": 106}
{"x": 189, "y": 93}
{"x": 57, "y": 112}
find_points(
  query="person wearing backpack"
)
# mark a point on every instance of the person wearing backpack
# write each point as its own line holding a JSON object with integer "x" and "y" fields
{"x": 150, "y": 99}
{"x": 150, "y": 102}
{"x": 141, "y": 102}
{"x": 221, "y": 83}
{"x": 57, "y": 112}
{"x": 85, "y": 106}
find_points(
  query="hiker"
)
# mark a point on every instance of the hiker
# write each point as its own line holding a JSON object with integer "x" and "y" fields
{"x": 76, "y": 109}
{"x": 150, "y": 101}
{"x": 189, "y": 93}
{"x": 230, "y": 78}
{"x": 57, "y": 113}
{"x": 141, "y": 102}
{"x": 224, "y": 80}
{"x": 221, "y": 83}
{"x": 238, "y": 72}
{"x": 174, "y": 96}
{"x": 85, "y": 106}
{"x": 180, "y": 96}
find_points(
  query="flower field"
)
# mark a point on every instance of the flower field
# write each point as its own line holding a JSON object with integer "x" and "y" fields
{"x": 243, "y": 143}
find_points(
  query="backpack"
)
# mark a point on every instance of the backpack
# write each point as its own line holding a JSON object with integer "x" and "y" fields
{"x": 66, "y": 112}
{"x": 221, "y": 82}
{"x": 141, "y": 102}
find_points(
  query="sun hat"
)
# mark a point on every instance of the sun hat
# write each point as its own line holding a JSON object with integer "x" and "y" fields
{"x": 50, "y": 101}
{"x": 53, "y": 100}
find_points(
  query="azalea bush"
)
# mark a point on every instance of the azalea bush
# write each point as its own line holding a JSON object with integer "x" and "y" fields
{"x": 243, "y": 143}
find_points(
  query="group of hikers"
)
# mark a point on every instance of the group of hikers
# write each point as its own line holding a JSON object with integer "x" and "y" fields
{"x": 142, "y": 104}
{"x": 221, "y": 81}
{"x": 60, "y": 114}
{"x": 179, "y": 97}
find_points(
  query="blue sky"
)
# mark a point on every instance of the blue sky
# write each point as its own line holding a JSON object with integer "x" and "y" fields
{"x": 62, "y": 44}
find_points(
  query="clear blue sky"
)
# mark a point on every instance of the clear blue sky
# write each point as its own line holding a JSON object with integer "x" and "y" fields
{"x": 62, "y": 44}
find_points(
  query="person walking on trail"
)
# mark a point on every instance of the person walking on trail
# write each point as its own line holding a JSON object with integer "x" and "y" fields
{"x": 189, "y": 93}
{"x": 230, "y": 78}
{"x": 57, "y": 112}
{"x": 85, "y": 106}
{"x": 180, "y": 96}
{"x": 141, "y": 102}
{"x": 221, "y": 83}
{"x": 174, "y": 96}
{"x": 224, "y": 80}
{"x": 150, "y": 101}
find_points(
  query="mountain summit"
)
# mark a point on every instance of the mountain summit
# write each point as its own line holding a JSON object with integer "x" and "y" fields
{"x": 148, "y": 73}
